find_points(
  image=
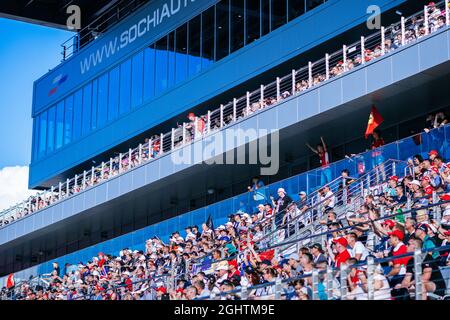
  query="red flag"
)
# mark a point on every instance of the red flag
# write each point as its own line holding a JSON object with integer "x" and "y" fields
{"x": 10, "y": 281}
{"x": 375, "y": 119}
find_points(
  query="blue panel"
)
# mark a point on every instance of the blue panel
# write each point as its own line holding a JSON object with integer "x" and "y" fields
{"x": 353, "y": 86}
{"x": 87, "y": 109}
{"x": 435, "y": 52}
{"x": 101, "y": 193}
{"x": 113, "y": 94}
{"x": 171, "y": 60}
{"x": 68, "y": 120}
{"x": 139, "y": 177}
{"x": 149, "y": 72}
{"x": 77, "y": 114}
{"x": 287, "y": 115}
{"x": 266, "y": 119}
{"x": 137, "y": 82}
{"x": 330, "y": 95}
{"x": 102, "y": 102}
{"x": 152, "y": 172}
{"x": 161, "y": 66}
{"x": 308, "y": 104}
{"x": 380, "y": 75}
{"x": 51, "y": 126}
{"x": 59, "y": 125}
{"x": 42, "y": 134}
{"x": 126, "y": 183}
{"x": 113, "y": 188}
{"x": 181, "y": 60}
{"x": 94, "y": 104}
{"x": 405, "y": 63}
{"x": 125, "y": 87}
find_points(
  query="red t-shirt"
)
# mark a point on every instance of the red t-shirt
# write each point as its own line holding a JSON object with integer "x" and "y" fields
{"x": 324, "y": 159}
{"x": 428, "y": 189}
{"x": 402, "y": 249}
{"x": 341, "y": 258}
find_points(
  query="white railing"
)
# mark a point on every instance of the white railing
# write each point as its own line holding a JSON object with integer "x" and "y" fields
{"x": 314, "y": 73}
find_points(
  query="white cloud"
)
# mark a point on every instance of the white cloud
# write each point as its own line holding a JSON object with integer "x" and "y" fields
{"x": 13, "y": 186}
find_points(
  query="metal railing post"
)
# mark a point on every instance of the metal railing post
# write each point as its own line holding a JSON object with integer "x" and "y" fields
{"x": 394, "y": 169}
{"x": 418, "y": 274}
{"x": 278, "y": 288}
{"x": 244, "y": 293}
{"x": 161, "y": 147}
{"x": 110, "y": 167}
{"x": 208, "y": 123}
{"x": 102, "y": 173}
{"x": 59, "y": 191}
{"x": 278, "y": 88}
{"x": 329, "y": 282}
{"x": 293, "y": 81}
{"x": 343, "y": 282}
{"x": 67, "y": 187}
{"x": 130, "y": 152}
{"x": 234, "y": 109}
{"x": 310, "y": 75}
{"x": 344, "y": 55}
{"x": 221, "y": 116}
{"x": 315, "y": 285}
{"x": 363, "y": 51}
{"x": 447, "y": 13}
{"x": 184, "y": 134}
{"x": 426, "y": 20}
{"x": 383, "y": 41}
{"x": 403, "y": 30}
{"x": 75, "y": 184}
{"x": 84, "y": 179}
{"x": 370, "y": 278}
{"x": 327, "y": 66}
{"x": 172, "y": 138}
{"x": 248, "y": 101}
{"x": 140, "y": 153}
{"x": 120, "y": 162}
{"x": 261, "y": 88}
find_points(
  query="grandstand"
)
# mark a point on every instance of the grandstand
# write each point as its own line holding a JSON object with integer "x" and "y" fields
{"x": 128, "y": 224}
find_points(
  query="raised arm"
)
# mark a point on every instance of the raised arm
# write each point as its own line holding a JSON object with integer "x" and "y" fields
{"x": 323, "y": 144}
{"x": 312, "y": 149}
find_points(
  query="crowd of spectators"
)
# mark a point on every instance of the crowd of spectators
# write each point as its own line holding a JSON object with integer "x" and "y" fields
{"x": 416, "y": 28}
{"x": 200, "y": 263}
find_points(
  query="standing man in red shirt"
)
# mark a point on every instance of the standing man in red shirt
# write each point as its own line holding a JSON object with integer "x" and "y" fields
{"x": 342, "y": 253}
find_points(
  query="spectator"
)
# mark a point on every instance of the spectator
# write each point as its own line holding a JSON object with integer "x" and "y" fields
{"x": 324, "y": 158}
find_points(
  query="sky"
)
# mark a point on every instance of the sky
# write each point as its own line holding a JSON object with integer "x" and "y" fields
{"x": 27, "y": 52}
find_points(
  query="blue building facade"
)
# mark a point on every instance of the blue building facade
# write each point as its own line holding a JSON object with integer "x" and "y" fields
{"x": 163, "y": 60}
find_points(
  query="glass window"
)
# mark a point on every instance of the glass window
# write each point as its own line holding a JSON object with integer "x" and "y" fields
{"x": 94, "y": 104}
{"x": 68, "y": 119}
{"x": 296, "y": 8}
{"x": 35, "y": 137}
{"x": 265, "y": 17}
{"x": 87, "y": 109}
{"x": 311, "y": 4}
{"x": 125, "y": 86}
{"x": 51, "y": 129}
{"x": 208, "y": 37}
{"x": 149, "y": 72}
{"x": 113, "y": 93}
{"x": 253, "y": 20}
{"x": 137, "y": 79}
{"x": 102, "y": 102}
{"x": 42, "y": 133}
{"x": 77, "y": 114}
{"x": 181, "y": 64}
{"x": 222, "y": 29}
{"x": 194, "y": 45}
{"x": 237, "y": 25}
{"x": 278, "y": 13}
{"x": 171, "y": 57}
{"x": 161, "y": 66}
{"x": 59, "y": 125}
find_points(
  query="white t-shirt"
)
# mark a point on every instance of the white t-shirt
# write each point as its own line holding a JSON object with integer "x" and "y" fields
{"x": 329, "y": 196}
{"x": 359, "y": 248}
